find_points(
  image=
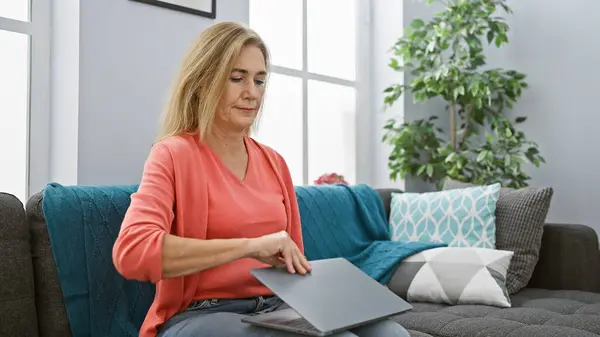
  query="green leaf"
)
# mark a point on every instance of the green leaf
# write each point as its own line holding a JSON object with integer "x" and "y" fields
{"x": 520, "y": 119}
{"x": 450, "y": 157}
{"x": 429, "y": 170}
{"x": 490, "y": 36}
{"x": 417, "y": 23}
{"x": 460, "y": 90}
{"x": 430, "y": 46}
{"x": 501, "y": 38}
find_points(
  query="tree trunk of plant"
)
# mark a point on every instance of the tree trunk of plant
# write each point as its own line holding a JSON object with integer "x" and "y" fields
{"x": 453, "y": 126}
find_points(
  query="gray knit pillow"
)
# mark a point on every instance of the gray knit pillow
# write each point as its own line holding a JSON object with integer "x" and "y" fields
{"x": 520, "y": 218}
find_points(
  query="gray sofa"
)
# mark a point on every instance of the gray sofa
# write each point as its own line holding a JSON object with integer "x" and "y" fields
{"x": 562, "y": 299}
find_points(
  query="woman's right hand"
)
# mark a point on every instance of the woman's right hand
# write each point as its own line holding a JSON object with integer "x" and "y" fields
{"x": 278, "y": 249}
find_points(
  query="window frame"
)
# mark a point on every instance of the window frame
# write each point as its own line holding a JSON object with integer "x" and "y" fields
{"x": 38, "y": 108}
{"x": 360, "y": 84}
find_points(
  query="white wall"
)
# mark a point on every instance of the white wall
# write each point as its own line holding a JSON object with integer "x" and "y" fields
{"x": 387, "y": 26}
{"x": 561, "y": 102}
{"x": 64, "y": 107}
{"x": 113, "y": 61}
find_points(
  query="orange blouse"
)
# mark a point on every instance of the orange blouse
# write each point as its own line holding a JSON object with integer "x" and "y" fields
{"x": 187, "y": 191}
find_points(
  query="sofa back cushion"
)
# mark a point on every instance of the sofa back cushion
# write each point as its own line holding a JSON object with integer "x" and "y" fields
{"x": 17, "y": 302}
{"x": 50, "y": 305}
{"x": 463, "y": 217}
{"x": 386, "y": 196}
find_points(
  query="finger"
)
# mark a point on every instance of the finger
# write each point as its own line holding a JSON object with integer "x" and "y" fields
{"x": 297, "y": 265}
{"x": 289, "y": 262}
{"x": 304, "y": 262}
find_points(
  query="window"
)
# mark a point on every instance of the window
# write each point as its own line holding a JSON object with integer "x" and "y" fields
{"x": 24, "y": 69}
{"x": 309, "y": 112}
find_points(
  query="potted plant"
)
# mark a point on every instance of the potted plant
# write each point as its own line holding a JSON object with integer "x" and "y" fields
{"x": 445, "y": 59}
{"x": 330, "y": 179}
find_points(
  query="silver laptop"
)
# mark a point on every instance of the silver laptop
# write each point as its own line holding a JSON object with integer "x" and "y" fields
{"x": 336, "y": 296}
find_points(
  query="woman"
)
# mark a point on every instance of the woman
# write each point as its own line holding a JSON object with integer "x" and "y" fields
{"x": 213, "y": 203}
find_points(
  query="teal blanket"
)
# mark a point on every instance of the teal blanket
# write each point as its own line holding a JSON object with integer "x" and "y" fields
{"x": 350, "y": 222}
{"x": 83, "y": 223}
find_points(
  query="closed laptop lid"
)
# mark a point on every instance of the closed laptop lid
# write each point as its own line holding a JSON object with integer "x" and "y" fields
{"x": 336, "y": 294}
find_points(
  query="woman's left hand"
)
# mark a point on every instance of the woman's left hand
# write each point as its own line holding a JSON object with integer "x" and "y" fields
{"x": 278, "y": 249}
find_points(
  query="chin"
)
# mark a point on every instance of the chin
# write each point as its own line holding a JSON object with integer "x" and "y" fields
{"x": 244, "y": 123}
{"x": 239, "y": 127}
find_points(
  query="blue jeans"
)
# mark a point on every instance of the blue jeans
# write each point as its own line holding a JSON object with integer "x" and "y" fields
{"x": 222, "y": 318}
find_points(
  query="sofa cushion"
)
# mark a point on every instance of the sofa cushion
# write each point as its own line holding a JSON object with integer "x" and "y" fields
{"x": 464, "y": 217}
{"x": 454, "y": 275}
{"x": 17, "y": 303}
{"x": 535, "y": 313}
{"x": 520, "y": 217}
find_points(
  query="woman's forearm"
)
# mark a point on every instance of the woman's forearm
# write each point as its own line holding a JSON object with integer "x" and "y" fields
{"x": 185, "y": 256}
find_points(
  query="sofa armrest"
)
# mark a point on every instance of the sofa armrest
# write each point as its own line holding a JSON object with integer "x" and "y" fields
{"x": 17, "y": 298}
{"x": 569, "y": 259}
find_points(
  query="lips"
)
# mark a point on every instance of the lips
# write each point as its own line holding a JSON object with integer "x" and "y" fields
{"x": 247, "y": 109}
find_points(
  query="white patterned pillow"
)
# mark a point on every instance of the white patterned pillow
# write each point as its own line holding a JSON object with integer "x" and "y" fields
{"x": 454, "y": 275}
{"x": 464, "y": 217}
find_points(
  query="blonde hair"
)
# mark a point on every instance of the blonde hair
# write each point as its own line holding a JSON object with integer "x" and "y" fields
{"x": 202, "y": 78}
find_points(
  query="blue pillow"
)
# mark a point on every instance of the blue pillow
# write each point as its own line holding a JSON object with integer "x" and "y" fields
{"x": 463, "y": 217}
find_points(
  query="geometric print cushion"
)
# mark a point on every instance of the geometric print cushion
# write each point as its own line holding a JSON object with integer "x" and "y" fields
{"x": 454, "y": 276}
{"x": 460, "y": 217}
{"x": 520, "y": 218}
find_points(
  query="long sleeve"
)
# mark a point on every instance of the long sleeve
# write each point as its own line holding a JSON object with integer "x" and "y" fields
{"x": 137, "y": 253}
{"x": 295, "y": 228}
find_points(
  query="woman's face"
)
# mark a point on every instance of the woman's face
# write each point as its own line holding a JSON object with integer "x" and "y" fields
{"x": 244, "y": 92}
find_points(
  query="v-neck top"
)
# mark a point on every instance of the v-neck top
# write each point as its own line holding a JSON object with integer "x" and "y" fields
{"x": 239, "y": 208}
{"x": 186, "y": 191}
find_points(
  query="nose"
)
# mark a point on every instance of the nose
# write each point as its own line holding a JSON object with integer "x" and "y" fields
{"x": 250, "y": 91}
